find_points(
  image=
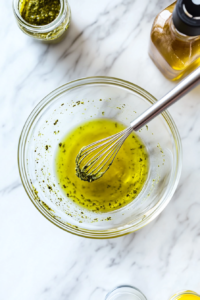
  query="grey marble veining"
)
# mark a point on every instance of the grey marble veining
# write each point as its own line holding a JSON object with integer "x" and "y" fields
{"x": 40, "y": 261}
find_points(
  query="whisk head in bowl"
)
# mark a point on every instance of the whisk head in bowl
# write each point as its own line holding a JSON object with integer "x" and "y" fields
{"x": 95, "y": 159}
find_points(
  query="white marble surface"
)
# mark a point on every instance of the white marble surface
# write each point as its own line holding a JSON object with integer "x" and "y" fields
{"x": 37, "y": 259}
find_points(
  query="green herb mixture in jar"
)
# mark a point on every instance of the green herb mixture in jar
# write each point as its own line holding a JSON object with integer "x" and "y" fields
{"x": 39, "y": 12}
{"x": 45, "y": 20}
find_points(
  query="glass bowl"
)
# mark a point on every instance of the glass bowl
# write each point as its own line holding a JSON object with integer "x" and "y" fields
{"x": 73, "y": 104}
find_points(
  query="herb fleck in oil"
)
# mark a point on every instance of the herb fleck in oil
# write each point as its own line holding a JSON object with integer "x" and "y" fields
{"x": 120, "y": 185}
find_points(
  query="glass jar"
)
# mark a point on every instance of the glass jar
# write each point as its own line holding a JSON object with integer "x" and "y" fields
{"x": 185, "y": 295}
{"x": 125, "y": 292}
{"x": 50, "y": 32}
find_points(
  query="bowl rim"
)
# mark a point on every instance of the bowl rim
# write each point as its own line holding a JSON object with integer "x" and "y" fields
{"x": 103, "y": 234}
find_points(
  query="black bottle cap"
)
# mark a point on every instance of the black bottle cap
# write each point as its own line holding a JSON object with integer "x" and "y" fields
{"x": 186, "y": 17}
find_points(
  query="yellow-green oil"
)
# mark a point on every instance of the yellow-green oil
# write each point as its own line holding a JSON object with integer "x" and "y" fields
{"x": 120, "y": 185}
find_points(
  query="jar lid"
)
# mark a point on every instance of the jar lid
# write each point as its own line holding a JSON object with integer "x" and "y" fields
{"x": 186, "y": 17}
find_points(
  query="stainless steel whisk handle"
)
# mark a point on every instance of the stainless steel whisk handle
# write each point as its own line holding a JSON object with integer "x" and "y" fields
{"x": 170, "y": 98}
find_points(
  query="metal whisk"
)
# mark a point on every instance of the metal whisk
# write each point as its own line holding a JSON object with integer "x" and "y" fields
{"x": 95, "y": 159}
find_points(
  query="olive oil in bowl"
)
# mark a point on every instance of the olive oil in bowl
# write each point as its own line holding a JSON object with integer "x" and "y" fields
{"x": 120, "y": 185}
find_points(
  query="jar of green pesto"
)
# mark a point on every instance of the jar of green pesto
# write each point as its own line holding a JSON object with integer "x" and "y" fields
{"x": 45, "y": 20}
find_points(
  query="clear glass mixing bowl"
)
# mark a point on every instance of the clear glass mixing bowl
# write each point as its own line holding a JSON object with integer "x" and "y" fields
{"x": 77, "y": 102}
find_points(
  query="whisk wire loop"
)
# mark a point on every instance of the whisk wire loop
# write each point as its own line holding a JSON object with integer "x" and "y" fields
{"x": 95, "y": 159}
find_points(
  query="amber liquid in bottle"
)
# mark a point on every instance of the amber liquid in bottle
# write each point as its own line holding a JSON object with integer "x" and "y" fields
{"x": 174, "y": 53}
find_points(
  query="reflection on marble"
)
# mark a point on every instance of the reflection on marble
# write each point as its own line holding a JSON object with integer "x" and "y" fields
{"x": 40, "y": 261}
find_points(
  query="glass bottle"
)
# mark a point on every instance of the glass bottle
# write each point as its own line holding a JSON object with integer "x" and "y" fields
{"x": 50, "y": 32}
{"x": 175, "y": 39}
